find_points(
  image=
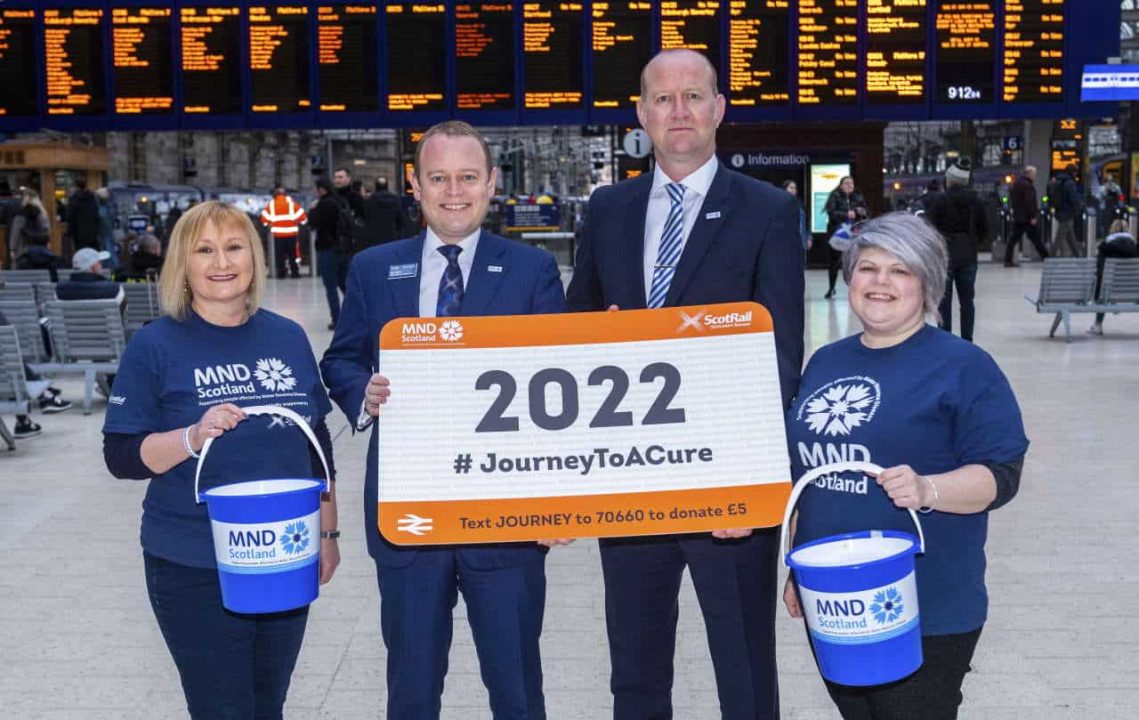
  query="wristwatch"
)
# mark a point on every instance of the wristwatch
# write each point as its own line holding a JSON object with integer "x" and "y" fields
{"x": 330, "y": 534}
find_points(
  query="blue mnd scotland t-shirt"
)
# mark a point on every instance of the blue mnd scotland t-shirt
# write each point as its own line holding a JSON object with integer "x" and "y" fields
{"x": 933, "y": 402}
{"x": 172, "y": 372}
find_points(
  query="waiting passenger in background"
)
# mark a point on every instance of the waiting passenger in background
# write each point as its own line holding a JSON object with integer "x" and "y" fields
{"x": 384, "y": 217}
{"x": 29, "y": 235}
{"x": 1119, "y": 244}
{"x": 1066, "y": 201}
{"x": 145, "y": 260}
{"x": 324, "y": 219}
{"x": 920, "y": 206}
{"x": 47, "y": 397}
{"x": 82, "y": 218}
{"x": 939, "y": 415}
{"x": 87, "y": 282}
{"x": 845, "y": 205}
{"x": 804, "y": 232}
{"x": 1025, "y": 216}
{"x": 959, "y": 214}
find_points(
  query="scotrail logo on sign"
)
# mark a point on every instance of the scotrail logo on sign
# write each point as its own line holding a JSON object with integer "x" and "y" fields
{"x": 266, "y": 547}
{"x": 866, "y": 616}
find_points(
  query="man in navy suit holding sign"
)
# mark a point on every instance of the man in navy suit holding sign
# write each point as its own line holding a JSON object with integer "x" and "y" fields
{"x": 692, "y": 233}
{"x": 453, "y": 268}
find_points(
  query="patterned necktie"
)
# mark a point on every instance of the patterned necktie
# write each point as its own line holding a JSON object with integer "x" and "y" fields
{"x": 668, "y": 254}
{"x": 451, "y": 284}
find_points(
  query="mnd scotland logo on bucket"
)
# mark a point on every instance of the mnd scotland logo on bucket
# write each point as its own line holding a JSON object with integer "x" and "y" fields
{"x": 863, "y": 616}
{"x": 266, "y": 547}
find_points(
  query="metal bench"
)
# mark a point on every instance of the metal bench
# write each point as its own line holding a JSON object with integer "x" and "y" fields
{"x": 18, "y": 305}
{"x": 25, "y": 276}
{"x": 14, "y": 396}
{"x": 87, "y": 337}
{"x": 142, "y": 305}
{"x": 1068, "y": 286}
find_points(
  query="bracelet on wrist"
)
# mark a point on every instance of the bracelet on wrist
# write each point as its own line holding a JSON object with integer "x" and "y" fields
{"x": 186, "y": 443}
{"x": 330, "y": 534}
{"x": 929, "y": 508}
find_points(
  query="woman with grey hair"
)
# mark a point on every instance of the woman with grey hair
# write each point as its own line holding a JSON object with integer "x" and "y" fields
{"x": 938, "y": 414}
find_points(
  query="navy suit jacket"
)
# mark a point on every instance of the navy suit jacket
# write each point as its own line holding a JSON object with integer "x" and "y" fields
{"x": 744, "y": 246}
{"x": 528, "y": 283}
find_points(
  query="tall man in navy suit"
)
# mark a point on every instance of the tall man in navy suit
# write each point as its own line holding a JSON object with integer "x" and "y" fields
{"x": 453, "y": 268}
{"x": 690, "y": 233}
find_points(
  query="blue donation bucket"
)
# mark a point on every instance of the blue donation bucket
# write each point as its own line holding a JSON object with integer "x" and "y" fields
{"x": 267, "y": 533}
{"x": 858, "y": 592}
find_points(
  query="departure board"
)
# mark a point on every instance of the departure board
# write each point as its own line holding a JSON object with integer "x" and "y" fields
{"x": 17, "y": 63}
{"x": 347, "y": 59}
{"x": 417, "y": 56}
{"x": 552, "y": 55}
{"x": 966, "y": 51}
{"x": 1034, "y": 51}
{"x": 692, "y": 24}
{"x": 143, "y": 61}
{"x": 895, "y": 51}
{"x": 757, "y": 52}
{"x": 279, "y": 59}
{"x": 620, "y": 47}
{"x": 73, "y": 61}
{"x": 484, "y": 56}
{"x": 828, "y": 52}
{"x": 211, "y": 71}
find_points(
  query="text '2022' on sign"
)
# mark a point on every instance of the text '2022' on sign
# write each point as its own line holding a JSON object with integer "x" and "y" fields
{"x": 580, "y": 425}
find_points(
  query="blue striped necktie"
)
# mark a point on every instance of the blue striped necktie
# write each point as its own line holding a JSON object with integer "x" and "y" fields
{"x": 668, "y": 254}
{"x": 451, "y": 284}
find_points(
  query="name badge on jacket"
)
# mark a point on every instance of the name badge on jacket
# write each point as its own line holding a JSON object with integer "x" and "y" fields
{"x": 399, "y": 272}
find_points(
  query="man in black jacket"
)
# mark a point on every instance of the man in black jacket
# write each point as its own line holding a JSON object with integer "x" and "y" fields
{"x": 324, "y": 220}
{"x": 959, "y": 214}
{"x": 384, "y": 217}
{"x": 1025, "y": 216}
{"x": 1065, "y": 196}
{"x": 83, "y": 217}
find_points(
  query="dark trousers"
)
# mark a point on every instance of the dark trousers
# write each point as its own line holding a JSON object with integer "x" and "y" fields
{"x": 333, "y": 270}
{"x": 233, "y": 667}
{"x": 505, "y": 607}
{"x": 965, "y": 278}
{"x": 735, "y": 584}
{"x": 285, "y": 250}
{"x": 834, "y": 262}
{"x": 931, "y": 693}
{"x": 1019, "y": 230}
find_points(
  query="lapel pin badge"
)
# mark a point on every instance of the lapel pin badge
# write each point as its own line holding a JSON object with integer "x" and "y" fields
{"x": 714, "y": 215}
{"x": 494, "y": 268}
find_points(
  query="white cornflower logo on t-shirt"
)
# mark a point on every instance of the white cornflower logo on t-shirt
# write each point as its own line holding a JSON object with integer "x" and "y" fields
{"x": 274, "y": 375}
{"x": 840, "y": 406}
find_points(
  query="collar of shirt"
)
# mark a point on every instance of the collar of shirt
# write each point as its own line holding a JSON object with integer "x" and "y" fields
{"x": 696, "y": 183}
{"x": 434, "y": 263}
{"x": 696, "y": 186}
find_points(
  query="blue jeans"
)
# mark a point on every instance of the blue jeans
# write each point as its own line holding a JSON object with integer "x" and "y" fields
{"x": 333, "y": 269}
{"x": 965, "y": 278}
{"x": 233, "y": 667}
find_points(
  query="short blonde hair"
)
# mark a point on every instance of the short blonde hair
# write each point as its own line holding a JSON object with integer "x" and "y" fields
{"x": 173, "y": 287}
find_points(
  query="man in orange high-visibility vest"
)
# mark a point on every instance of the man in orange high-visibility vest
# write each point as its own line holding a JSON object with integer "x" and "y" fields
{"x": 284, "y": 217}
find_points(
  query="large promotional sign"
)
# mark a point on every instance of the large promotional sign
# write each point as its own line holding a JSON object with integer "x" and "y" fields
{"x": 581, "y": 425}
{"x": 824, "y": 178}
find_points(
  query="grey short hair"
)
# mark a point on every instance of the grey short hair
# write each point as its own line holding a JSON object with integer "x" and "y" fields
{"x": 916, "y": 243}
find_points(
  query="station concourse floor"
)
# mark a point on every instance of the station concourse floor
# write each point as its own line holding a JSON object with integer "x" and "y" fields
{"x": 78, "y": 640}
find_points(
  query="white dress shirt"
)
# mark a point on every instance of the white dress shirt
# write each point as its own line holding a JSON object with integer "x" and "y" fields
{"x": 433, "y": 263}
{"x": 695, "y": 190}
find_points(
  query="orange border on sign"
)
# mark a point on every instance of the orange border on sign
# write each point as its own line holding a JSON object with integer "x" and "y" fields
{"x": 497, "y": 331}
{"x": 764, "y": 508}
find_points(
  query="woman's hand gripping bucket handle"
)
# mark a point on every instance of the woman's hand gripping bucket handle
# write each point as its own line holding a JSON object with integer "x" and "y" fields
{"x": 268, "y": 410}
{"x": 815, "y": 475}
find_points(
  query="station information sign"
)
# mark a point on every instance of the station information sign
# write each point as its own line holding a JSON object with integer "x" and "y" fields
{"x": 620, "y": 47}
{"x": 347, "y": 59}
{"x": 966, "y": 51}
{"x": 692, "y": 24}
{"x": 828, "y": 52}
{"x": 419, "y": 84}
{"x": 1033, "y": 51}
{"x": 73, "y": 61}
{"x": 279, "y": 59}
{"x": 143, "y": 62}
{"x": 895, "y": 51}
{"x": 17, "y": 63}
{"x": 552, "y": 55}
{"x": 757, "y": 53}
{"x": 211, "y": 70}
{"x": 484, "y": 56}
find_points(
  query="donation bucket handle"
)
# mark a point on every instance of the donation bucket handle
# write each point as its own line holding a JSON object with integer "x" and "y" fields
{"x": 267, "y": 410}
{"x": 815, "y": 474}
